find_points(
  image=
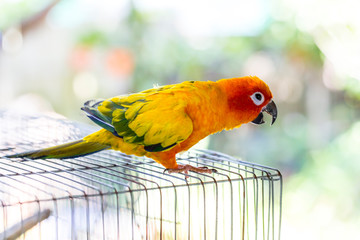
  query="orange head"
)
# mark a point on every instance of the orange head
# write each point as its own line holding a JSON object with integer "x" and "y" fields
{"x": 248, "y": 97}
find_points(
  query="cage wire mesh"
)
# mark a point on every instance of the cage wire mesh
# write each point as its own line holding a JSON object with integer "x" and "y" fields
{"x": 110, "y": 195}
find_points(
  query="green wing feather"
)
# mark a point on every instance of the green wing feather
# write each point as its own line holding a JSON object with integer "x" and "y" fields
{"x": 155, "y": 118}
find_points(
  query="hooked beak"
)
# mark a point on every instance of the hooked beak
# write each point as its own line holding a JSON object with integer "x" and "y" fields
{"x": 271, "y": 109}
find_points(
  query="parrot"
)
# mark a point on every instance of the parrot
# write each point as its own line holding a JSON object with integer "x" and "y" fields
{"x": 162, "y": 121}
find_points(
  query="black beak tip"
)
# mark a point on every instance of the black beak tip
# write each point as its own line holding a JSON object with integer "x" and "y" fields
{"x": 273, "y": 120}
{"x": 271, "y": 109}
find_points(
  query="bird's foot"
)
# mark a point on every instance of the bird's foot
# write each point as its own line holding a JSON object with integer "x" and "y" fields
{"x": 186, "y": 168}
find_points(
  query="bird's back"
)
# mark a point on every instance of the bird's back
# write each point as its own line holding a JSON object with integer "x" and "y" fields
{"x": 159, "y": 119}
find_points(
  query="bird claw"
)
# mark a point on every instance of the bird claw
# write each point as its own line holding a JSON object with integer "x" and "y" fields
{"x": 206, "y": 168}
{"x": 186, "y": 168}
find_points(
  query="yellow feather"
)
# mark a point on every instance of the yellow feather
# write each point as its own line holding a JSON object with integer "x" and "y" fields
{"x": 133, "y": 110}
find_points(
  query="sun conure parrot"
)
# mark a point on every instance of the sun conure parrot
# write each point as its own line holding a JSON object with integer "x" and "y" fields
{"x": 163, "y": 121}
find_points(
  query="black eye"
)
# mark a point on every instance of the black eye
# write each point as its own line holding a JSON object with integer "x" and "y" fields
{"x": 258, "y": 96}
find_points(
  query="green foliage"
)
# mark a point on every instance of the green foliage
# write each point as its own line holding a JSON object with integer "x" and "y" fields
{"x": 93, "y": 38}
{"x": 333, "y": 173}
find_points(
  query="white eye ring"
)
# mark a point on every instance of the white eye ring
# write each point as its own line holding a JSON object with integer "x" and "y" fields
{"x": 258, "y": 98}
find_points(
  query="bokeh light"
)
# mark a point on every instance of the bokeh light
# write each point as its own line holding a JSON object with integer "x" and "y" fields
{"x": 85, "y": 86}
{"x": 12, "y": 40}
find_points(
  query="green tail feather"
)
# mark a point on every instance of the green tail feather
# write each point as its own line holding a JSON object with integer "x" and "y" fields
{"x": 67, "y": 150}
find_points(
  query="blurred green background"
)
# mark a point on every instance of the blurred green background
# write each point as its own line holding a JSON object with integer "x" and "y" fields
{"x": 54, "y": 55}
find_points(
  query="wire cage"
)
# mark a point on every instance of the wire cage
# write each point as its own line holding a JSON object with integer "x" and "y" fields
{"x": 110, "y": 195}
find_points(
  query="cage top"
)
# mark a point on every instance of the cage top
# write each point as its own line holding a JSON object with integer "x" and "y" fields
{"x": 103, "y": 173}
